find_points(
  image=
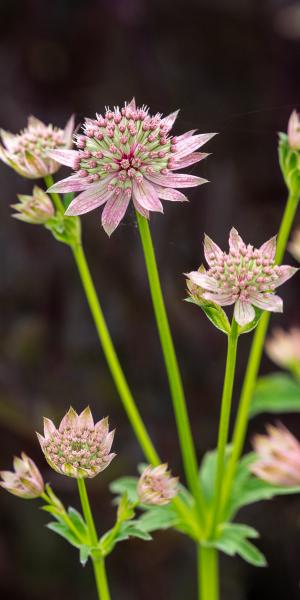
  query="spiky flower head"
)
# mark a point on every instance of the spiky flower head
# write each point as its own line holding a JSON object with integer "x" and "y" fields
{"x": 278, "y": 456}
{"x": 157, "y": 486}
{"x": 294, "y": 245}
{"x": 294, "y": 131}
{"x": 129, "y": 154}
{"x": 36, "y": 209}
{"x": 245, "y": 277}
{"x": 78, "y": 448}
{"x": 25, "y": 481}
{"x": 28, "y": 151}
{"x": 283, "y": 348}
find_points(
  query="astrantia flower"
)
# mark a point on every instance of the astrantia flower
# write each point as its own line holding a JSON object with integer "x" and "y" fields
{"x": 278, "y": 457}
{"x": 245, "y": 277}
{"x": 28, "y": 151}
{"x": 78, "y": 448}
{"x": 36, "y": 209}
{"x": 294, "y": 245}
{"x": 128, "y": 154}
{"x": 157, "y": 486}
{"x": 294, "y": 131}
{"x": 284, "y": 348}
{"x": 25, "y": 481}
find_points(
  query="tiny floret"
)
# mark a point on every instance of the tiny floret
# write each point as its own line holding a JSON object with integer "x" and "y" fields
{"x": 278, "y": 457}
{"x": 283, "y": 348}
{"x": 294, "y": 131}
{"x": 294, "y": 245}
{"x": 128, "y": 154}
{"x": 245, "y": 277}
{"x": 157, "y": 486}
{"x": 78, "y": 448}
{"x": 36, "y": 209}
{"x": 25, "y": 481}
{"x": 28, "y": 151}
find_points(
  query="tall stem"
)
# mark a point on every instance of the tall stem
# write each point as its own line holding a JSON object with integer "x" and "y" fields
{"x": 256, "y": 354}
{"x": 55, "y": 197}
{"x": 208, "y": 570}
{"x": 176, "y": 388}
{"x": 224, "y": 421}
{"x": 98, "y": 563}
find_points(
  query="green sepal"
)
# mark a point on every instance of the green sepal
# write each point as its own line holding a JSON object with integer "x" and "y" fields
{"x": 275, "y": 393}
{"x": 250, "y": 326}
{"x": 65, "y": 229}
{"x": 213, "y": 311}
{"x": 289, "y": 164}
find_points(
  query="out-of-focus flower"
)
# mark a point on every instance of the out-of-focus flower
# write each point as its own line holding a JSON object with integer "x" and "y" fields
{"x": 294, "y": 131}
{"x": 278, "y": 456}
{"x": 28, "y": 151}
{"x": 129, "y": 154}
{"x": 78, "y": 448}
{"x": 284, "y": 348}
{"x": 157, "y": 486}
{"x": 25, "y": 481}
{"x": 245, "y": 277}
{"x": 36, "y": 209}
{"x": 294, "y": 245}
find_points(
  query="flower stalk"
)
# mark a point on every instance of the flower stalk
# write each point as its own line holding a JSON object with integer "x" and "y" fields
{"x": 208, "y": 571}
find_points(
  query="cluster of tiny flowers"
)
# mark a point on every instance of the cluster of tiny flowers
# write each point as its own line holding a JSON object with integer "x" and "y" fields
{"x": 284, "y": 348}
{"x": 36, "y": 209}
{"x": 28, "y": 151}
{"x": 128, "y": 154}
{"x": 25, "y": 481}
{"x": 246, "y": 277}
{"x": 278, "y": 457}
{"x": 78, "y": 448}
{"x": 157, "y": 486}
{"x": 294, "y": 245}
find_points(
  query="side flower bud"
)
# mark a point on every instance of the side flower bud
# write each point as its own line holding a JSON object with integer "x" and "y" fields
{"x": 294, "y": 245}
{"x": 36, "y": 209}
{"x": 278, "y": 457}
{"x": 294, "y": 131}
{"x": 25, "y": 481}
{"x": 157, "y": 486}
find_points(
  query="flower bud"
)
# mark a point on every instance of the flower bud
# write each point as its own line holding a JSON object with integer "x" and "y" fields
{"x": 25, "y": 481}
{"x": 278, "y": 457}
{"x": 294, "y": 131}
{"x": 283, "y": 348}
{"x": 294, "y": 245}
{"x": 157, "y": 486}
{"x": 36, "y": 209}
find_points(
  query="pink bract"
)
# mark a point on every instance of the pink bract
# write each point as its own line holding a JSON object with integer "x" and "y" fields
{"x": 278, "y": 457}
{"x": 157, "y": 486}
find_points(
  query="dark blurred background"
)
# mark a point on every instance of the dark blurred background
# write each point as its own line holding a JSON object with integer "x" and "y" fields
{"x": 231, "y": 66}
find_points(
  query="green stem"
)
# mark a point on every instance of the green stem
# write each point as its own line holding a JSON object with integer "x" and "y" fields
{"x": 55, "y": 197}
{"x": 208, "y": 570}
{"x": 224, "y": 421}
{"x": 176, "y": 388}
{"x": 255, "y": 356}
{"x": 98, "y": 563}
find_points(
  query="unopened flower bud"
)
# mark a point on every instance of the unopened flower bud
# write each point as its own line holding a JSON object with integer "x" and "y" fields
{"x": 157, "y": 486}
{"x": 25, "y": 481}
{"x": 278, "y": 457}
{"x": 36, "y": 209}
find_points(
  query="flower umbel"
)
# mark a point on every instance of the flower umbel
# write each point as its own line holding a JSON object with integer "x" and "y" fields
{"x": 36, "y": 209}
{"x": 157, "y": 486}
{"x": 78, "y": 448}
{"x": 278, "y": 457}
{"x": 294, "y": 131}
{"x": 245, "y": 277}
{"x": 294, "y": 245}
{"x": 283, "y": 348}
{"x": 28, "y": 151}
{"x": 25, "y": 481}
{"x": 129, "y": 154}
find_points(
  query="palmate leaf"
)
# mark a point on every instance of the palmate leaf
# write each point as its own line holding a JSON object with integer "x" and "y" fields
{"x": 64, "y": 531}
{"x": 233, "y": 540}
{"x": 126, "y": 485}
{"x": 276, "y": 393}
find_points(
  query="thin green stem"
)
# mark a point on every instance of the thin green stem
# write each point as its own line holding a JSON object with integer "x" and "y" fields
{"x": 208, "y": 572}
{"x": 255, "y": 355}
{"x": 176, "y": 388}
{"x": 55, "y": 197}
{"x": 98, "y": 563}
{"x": 224, "y": 421}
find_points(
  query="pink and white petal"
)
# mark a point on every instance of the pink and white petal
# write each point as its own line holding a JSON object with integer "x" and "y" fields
{"x": 8, "y": 139}
{"x": 235, "y": 241}
{"x": 170, "y": 119}
{"x": 69, "y": 420}
{"x": 186, "y": 135}
{"x": 139, "y": 207}
{"x": 268, "y": 249}
{"x": 204, "y": 281}
{"x": 5, "y": 157}
{"x": 49, "y": 428}
{"x": 68, "y": 131}
{"x": 188, "y": 145}
{"x": 34, "y": 122}
{"x": 102, "y": 426}
{"x": 42, "y": 441}
{"x": 114, "y": 211}
{"x": 64, "y": 157}
{"x": 244, "y": 312}
{"x": 211, "y": 250}
{"x": 132, "y": 104}
{"x": 222, "y": 298}
{"x": 146, "y": 195}
{"x": 92, "y": 198}
{"x": 269, "y": 302}
{"x": 176, "y": 180}
{"x": 108, "y": 441}
{"x": 35, "y": 165}
{"x": 188, "y": 160}
{"x": 170, "y": 194}
{"x": 285, "y": 273}
{"x": 69, "y": 184}
{"x": 85, "y": 419}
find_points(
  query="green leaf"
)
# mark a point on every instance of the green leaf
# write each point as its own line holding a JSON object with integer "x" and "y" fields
{"x": 214, "y": 313}
{"x": 78, "y": 521}
{"x": 65, "y": 229}
{"x": 233, "y": 540}
{"x": 207, "y": 472}
{"x": 250, "y": 326}
{"x": 276, "y": 393}
{"x": 62, "y": 530}
{"x": 125, "y": 485}
{"x": 125, "y": 509}
{"x": 84, "y": 554}
{"x": 159, "y": 517}
{"x": 133, "y": 529}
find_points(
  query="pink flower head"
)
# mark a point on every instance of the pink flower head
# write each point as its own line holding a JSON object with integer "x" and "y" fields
{"x": 28, "y": 151}
{"x": 36, "y": 209}
{"x": 245, "y": 277}
{"x": 156, "y": 486}
{"x": 128, "y": 154}
{"x": 284, "y": 347}
{"x": 278, "y": 457}
{"x": 294, "y": 131}
{"x": 78, "y": 448}
{"x": 25, "y": 481}
{"x": 294, "y": 245}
